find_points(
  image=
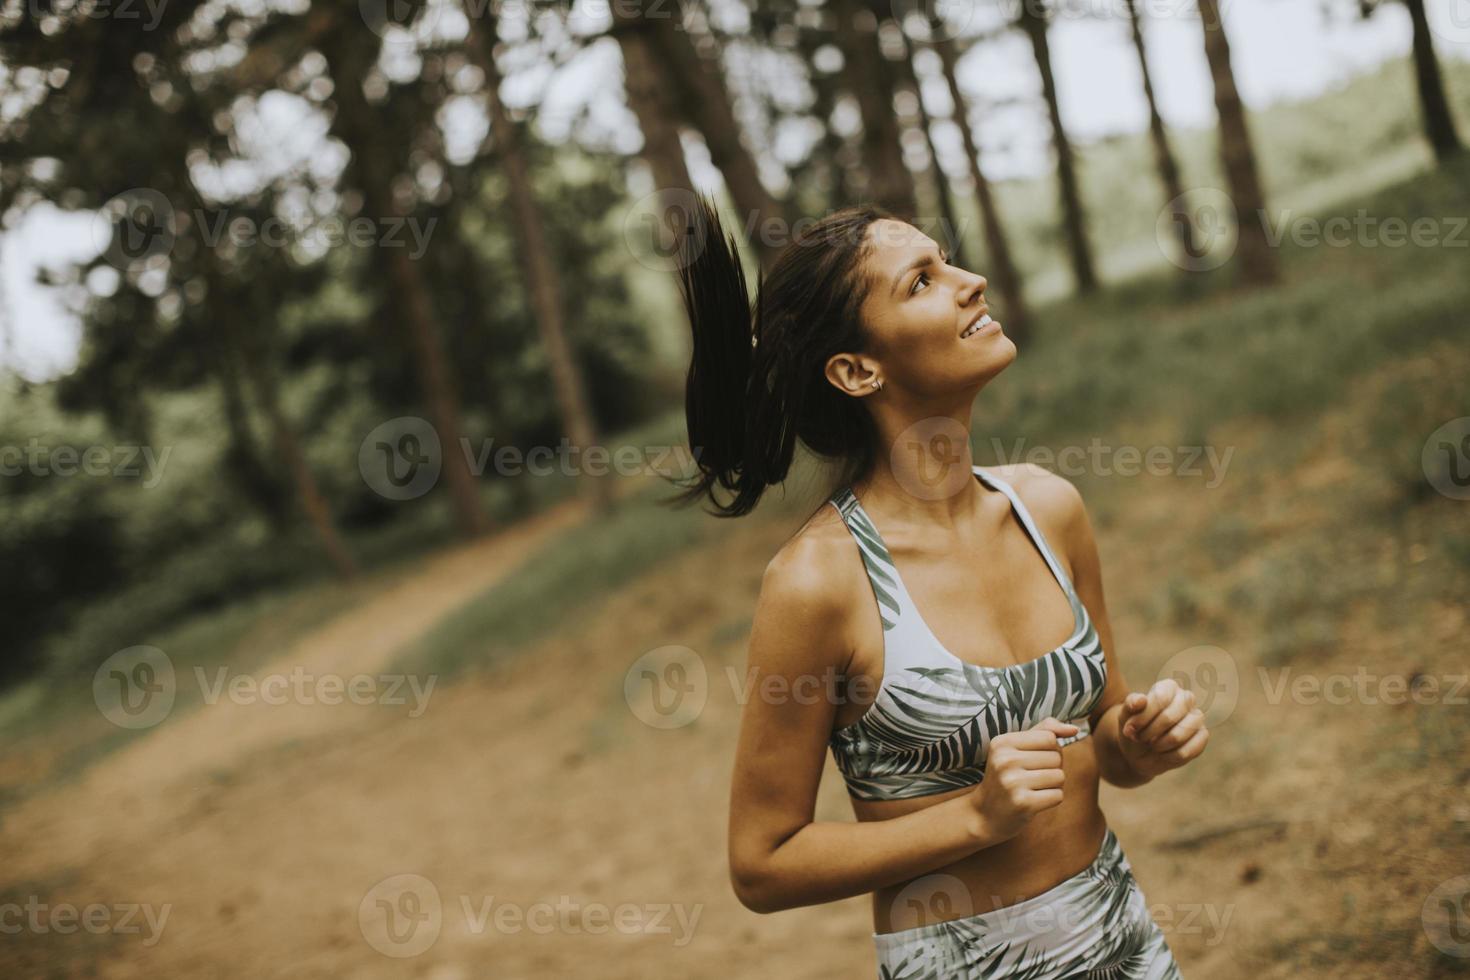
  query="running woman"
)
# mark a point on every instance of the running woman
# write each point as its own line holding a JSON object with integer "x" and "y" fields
{"x": 949, "y": 619}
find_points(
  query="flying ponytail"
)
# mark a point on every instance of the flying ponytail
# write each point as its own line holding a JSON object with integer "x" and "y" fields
{"x": 755, "y": 382}
{"x": 717, "y": 300}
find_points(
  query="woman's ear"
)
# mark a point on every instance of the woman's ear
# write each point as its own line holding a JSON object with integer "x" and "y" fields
{"x": 852, "y": 374}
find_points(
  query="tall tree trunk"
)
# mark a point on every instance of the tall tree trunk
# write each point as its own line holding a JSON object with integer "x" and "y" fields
{"x": 1164, "y": 160}
{"x": 1002, "y": 266}
{"x": 308, "y": 492}
{"x": 245, "y": 459}
{"x": 1034, "y": 17}
{"x": 543, "y": 280}
{"x": 240, "y": 360}
{"x": 1237, "y": 155}
{"x": 866, "y": 76}
{"x": 238, "y": 349}
{"x": 825, "y": 88}
{"x": 357, "y": 125}
{"x": 654, "y": 102}
{"x": 229, "y": 353}
{"x": 909, "y": 78}
{"x": 1439, "y": 119}
{"x": 699, "y": 84}
{"x": 651, "y": 98}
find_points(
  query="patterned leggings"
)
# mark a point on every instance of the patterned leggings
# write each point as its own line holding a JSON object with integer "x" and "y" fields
{"x": 1093, "y": 926}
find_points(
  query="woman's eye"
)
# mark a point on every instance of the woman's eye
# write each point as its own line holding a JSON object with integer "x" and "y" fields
{"x": 923, "y": 277}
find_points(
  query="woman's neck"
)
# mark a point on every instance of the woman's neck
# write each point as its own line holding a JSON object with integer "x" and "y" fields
{"x": 923, "y": 472}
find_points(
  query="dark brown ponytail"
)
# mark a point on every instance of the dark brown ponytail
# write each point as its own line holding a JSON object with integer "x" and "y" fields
{"x": 746, "y": 404}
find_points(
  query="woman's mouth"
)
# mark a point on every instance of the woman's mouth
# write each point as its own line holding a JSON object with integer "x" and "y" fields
{"x": 982, "y": 325}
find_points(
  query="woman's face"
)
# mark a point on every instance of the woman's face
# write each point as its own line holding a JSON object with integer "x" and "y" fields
{"x": 929, "y": 322}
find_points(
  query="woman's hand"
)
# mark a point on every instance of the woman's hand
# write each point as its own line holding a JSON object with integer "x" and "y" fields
{"x": 1023, "y": 776}
{"x": 1161, "y": 730}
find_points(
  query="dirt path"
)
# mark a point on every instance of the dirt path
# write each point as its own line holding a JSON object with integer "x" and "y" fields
{"x": 529, "y": 824}
{"x": 146, "y": 779}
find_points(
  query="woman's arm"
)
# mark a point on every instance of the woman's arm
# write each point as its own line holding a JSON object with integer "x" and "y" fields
{"x": 1137, "y": 735}
{"x": 779, "y": 856}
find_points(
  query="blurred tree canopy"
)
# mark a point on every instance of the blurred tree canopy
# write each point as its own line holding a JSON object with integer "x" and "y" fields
{"x": 259, "y": 365}
{"x": 316, "y": 217}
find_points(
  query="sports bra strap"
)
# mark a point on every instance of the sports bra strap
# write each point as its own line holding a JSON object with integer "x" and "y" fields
{"x": 1032, "y": 530}
{"x": 888, "y": 588}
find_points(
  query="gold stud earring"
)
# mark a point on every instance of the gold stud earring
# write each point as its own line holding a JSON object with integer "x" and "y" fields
{"x": 878, "y": 385}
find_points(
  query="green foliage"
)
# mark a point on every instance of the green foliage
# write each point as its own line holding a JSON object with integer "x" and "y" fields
{"x": 1302, "y": 156}
{"x": 1138, "y": 352}
{"x": 563, "y": 581}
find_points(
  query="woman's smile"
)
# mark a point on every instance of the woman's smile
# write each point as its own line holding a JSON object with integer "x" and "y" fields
{"x": 981, "y": 326}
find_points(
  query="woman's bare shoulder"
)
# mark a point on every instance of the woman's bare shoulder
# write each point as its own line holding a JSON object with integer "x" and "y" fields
{"x": 808, "y": 584}
{"x": 1053, "y": 500}
{"x": 816, "y": 560}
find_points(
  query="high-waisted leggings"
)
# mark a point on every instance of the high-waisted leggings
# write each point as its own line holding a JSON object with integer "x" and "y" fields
{"x": 1093, "y": 926}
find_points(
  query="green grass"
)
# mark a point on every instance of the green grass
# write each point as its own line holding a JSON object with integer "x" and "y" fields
{"x": 1305, "y": 164}
{"x": 562, "y": 582}
{"x": 1360, "y": 353}
{"x": 1140, "y": 352}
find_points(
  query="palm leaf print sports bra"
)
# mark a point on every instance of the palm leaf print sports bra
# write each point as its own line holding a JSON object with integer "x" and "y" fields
{"x": 929, "y": 728}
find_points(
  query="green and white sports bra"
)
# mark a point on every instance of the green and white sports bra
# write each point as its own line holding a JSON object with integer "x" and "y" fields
{"x": 929, "y": 728}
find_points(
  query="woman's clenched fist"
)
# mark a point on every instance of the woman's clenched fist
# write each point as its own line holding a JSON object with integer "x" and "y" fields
{"x": 1023, "y": 776}
{"x": 1161, "y": 730}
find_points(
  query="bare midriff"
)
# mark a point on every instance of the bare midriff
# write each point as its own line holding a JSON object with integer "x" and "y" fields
{"x": 1056, "y": 844}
